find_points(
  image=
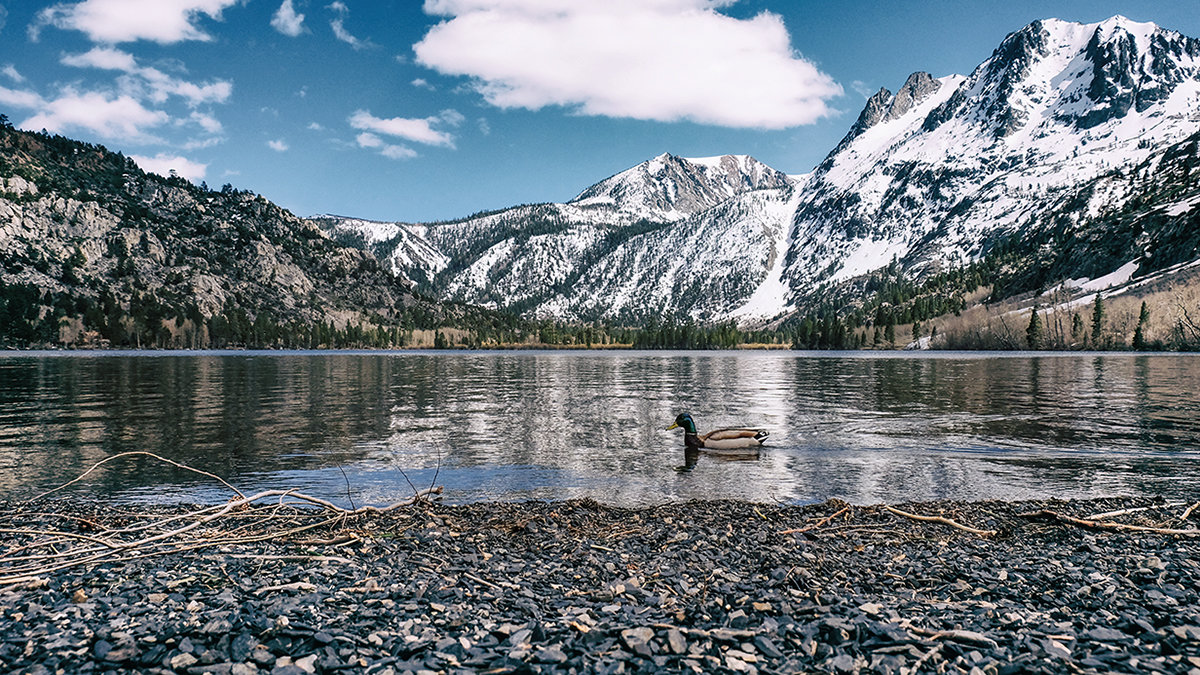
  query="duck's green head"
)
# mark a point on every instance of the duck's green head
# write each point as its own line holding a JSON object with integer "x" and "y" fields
{"x": 685, "y": 421}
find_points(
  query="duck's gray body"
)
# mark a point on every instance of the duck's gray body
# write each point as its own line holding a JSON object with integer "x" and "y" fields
{"x": 731, "y": 441}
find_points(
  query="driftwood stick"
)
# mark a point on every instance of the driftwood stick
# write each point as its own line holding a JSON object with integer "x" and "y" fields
{"x": 1105, "y": 525}
{"x": 921, "y": 661}
{"x": 1122, "y": 512}
{"x": 965, "y": 636}
{"x": 131, "y": 453}
{"x": 1188, "y": 514}
{"x": 817, "y": 524}
{"x": 943, "y": 521}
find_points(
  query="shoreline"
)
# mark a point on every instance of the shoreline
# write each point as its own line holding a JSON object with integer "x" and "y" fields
{"x": 576, "y": 586}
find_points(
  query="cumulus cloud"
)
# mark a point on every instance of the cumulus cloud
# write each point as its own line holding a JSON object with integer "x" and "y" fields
{"x": 415, "y": 130}
{"x": 338, "y": 24}
{"x": 11, "y": 73}
{"x": 287, "y": 21}
{"x": 119, "y": 117}
{"x": 163, "y": 164}
{"x": 149, "y": 83}
{"x": 369, "y": 140}
{"x": 422, "y": 83}
{"x": 398, "y": 152}
{"x": 115, "y": 21}
{"x": 664, "y": 60}
{"x": 278, "y": 145}
{"x": 207, "y": 122}
{"x": 18, "y": 98}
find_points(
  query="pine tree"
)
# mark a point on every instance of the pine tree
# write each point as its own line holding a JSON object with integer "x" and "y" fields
{"x": 1033, "y": 334}
{"x": 1098, "y": 323}
{"x": 1139, "y": 335}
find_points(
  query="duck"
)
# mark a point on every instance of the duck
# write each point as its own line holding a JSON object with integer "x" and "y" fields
{"x": 728, "y": 440}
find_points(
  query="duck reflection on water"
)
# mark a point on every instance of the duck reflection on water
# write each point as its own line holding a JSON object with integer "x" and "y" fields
{"x": 691, "y": 456}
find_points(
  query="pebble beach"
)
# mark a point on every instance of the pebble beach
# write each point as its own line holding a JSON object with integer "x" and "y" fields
{"x": 579, "y": 587}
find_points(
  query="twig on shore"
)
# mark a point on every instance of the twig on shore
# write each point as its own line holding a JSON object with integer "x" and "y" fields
{"x": 965, "y": 636}
{"x": 1105, "y": 525}
{"x": 1188, "y": 514}
{"x": 130, "y": 454}
{"x": 924, "y": 657}
{"x": 815, "y": 525}
{"x": 51, "y": 550}
{"x": 1123, "y": 512}
{"x": 943, "y": 521}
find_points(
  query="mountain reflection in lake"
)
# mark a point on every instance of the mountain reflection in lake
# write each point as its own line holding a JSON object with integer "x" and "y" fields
{"x": 554, "y": 425}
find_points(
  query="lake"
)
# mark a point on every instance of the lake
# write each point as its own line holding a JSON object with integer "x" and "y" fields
{"x": 369, "y": 426}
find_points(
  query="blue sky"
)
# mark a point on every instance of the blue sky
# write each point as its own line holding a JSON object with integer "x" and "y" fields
{"x": 421, "y": 111}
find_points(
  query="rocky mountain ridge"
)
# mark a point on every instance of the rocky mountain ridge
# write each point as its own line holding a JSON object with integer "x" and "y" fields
{"x": 1058, "y": 137}
{"x": 91, "y": 242}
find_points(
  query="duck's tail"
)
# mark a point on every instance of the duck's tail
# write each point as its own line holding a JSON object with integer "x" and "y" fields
{"x": 760, "y": 435}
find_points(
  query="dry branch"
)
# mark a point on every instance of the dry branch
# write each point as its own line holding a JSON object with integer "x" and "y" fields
{"x": 817, "y": 524}
{"x": 1188, "y": 514}
{"x": 130, "y": 454}
{"x": 1105, "y": 525}
{"x": 1124, "y": 512}
{"x": 943, "y": 521}
{"x": 49, "y": 550}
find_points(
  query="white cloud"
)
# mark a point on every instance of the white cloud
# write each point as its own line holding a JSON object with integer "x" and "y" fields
{"x": 120, "y": 117}
{"x": 11, "y": 73}
{"x": 452, "y": 117}
{"x": 314, "y": 126}
{"x": 862, "y": 88}
{"x": 278, "y": 145}
{"x": 338, "y": 24}
{"x": 115, "y": 21}
{"x": 20, "y": 99}
{"x": 422, "y": 83}
{"x": 104, "y": 58}
{"x": 485, "y": 128}
{"x": 162, "y": 164}
{"x": 398, "y": 152}
{"x": 207, "y": 122}
{"x": 201, "y": 143}
{"x": 287, "y": 21}
{"x": 150, "y": 83}
{"x": 415, "y": 130}
{"x": 369, "y": 140}
{"x": 663, "y": 60}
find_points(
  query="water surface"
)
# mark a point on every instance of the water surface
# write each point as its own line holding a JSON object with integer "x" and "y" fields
{"x": 864, "y": 427}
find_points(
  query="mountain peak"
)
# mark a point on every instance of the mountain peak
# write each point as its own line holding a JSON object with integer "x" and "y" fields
{"x": 669, "y": 187}
{"x": 883, "y": 106}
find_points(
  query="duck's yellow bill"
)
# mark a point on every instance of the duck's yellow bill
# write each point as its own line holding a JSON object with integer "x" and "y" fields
{"x": 673, "y": 426}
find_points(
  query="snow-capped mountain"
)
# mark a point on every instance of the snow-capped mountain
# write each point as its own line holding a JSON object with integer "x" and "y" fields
{"x": 933, "y": 172}
{"x": 1079, "y": 138}
{"x": 669, "y": 188}
{"x": 402, "y": 245}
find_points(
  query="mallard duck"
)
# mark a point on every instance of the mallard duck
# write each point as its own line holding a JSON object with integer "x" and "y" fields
{"x": 718, "y": 439}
